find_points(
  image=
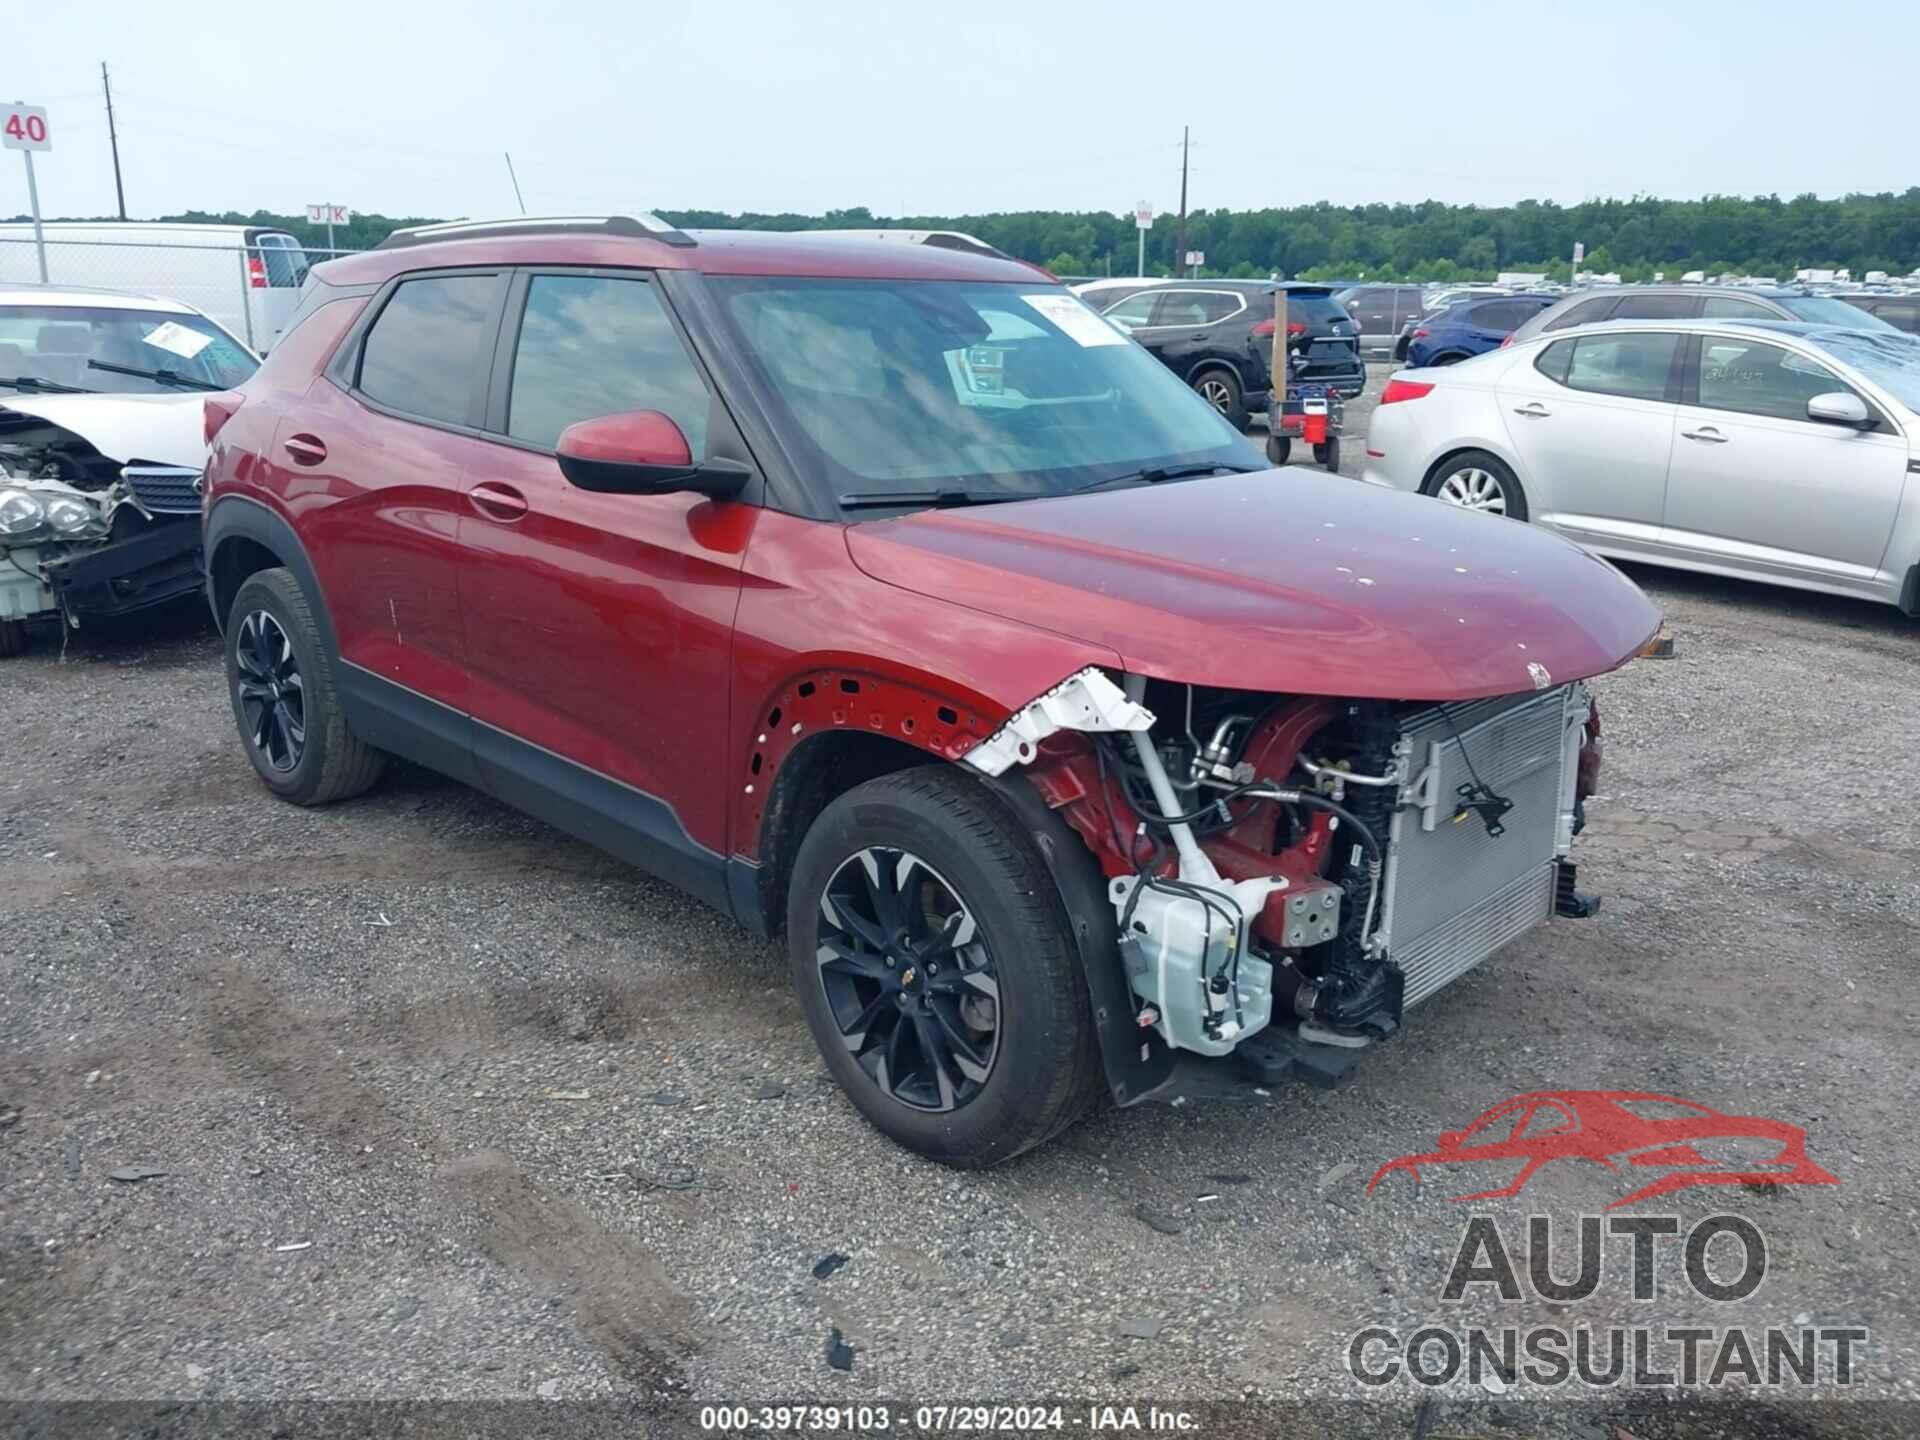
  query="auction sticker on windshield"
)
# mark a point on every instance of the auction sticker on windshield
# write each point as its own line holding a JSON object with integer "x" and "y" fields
{"x": 178, "y": 339}
{"x": 1075, "y": 320}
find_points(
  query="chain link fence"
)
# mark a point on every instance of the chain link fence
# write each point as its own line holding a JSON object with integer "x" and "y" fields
{"x": 251, "y": 290}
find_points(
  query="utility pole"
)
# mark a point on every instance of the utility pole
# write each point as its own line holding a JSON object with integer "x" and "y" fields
{"x": 113, "y": 139}
{"x": 1180, "y": 240}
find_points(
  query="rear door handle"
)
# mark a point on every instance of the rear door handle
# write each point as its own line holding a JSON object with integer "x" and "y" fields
{"x": 1706, "y": 434}
{"x": 305, "y": 449}
{"x": 497, "y": 501}
{"x": 1534, "y": 411}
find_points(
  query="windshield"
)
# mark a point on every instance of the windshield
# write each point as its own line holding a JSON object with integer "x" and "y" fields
{"x": 55, "y": 343}
{"x": 1890, "y": 359}
{"x": 1825, "y": 310}
{"x": 999, "y": 391}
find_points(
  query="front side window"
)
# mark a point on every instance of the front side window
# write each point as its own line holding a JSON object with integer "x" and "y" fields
{"x": 592, "y": 345}
{"x": 1636, "y": 367}
{"x": 1000, "y": 391}
{"x": 426, "y": 352}
{"x": 1756, "y": 378}
{"x": 88, "y": 348}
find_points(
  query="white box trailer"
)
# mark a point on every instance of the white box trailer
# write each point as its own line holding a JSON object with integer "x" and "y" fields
{"x": 247, "y": 277}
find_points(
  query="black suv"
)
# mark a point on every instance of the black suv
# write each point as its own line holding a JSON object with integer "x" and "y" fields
{"x": 1217, "y": 335}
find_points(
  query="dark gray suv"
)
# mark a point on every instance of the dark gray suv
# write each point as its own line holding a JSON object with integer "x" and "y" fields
{"x": 1696, "y": 302}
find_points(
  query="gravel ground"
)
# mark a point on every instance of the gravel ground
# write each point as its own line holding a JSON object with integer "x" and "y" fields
{"x": 450, "y": 1105}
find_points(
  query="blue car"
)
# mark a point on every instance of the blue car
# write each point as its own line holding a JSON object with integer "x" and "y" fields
{"x": 1472, "y": 327}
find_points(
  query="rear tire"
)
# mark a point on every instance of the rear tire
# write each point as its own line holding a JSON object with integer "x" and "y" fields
{"x": 1221, "y": 390}
{"x": 1279, "y": 447}
{"x": 1328, "y": 455}
{"x": 280, "y": 680}
{"x": 1475, "y": 480}
{"x": 13, "y": 638}
{"x": 1442, "y": 360}
{"x": 1009, "y": 1057}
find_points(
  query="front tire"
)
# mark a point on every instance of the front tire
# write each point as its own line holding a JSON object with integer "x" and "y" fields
{"x": 1279, "y": 449}
{"x": 1328, "y": 456}
{"x": 1221, "y": 390}
{"x": 1475, "y": 480}
{"x": 280, "y": 680}
{"x": 937, "y": 970}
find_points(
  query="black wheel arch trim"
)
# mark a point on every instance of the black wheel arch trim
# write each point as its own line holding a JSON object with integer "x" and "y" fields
{"x": 239, "y": 517}
{"x": 1138, "y": 1063}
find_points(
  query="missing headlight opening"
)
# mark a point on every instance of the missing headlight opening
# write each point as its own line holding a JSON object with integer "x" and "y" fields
{"x": 1294, "y": 865}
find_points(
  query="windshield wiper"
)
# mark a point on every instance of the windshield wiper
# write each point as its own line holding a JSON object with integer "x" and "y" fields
{"x": 878, "y": 499}
{"x": 1154, "y": 474}
{"x": 164, "y": 377}
{"x": 34, "y": 382}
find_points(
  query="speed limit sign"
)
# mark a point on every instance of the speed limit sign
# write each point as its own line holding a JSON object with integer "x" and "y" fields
{"x": 24, "y": 127}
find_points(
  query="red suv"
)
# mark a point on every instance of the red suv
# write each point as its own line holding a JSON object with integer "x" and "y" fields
{"x": 881, "y": 593}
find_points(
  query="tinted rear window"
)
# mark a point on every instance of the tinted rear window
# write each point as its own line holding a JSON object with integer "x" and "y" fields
{"x": 1315, "y": 310}
{"x": 425, "y": 353}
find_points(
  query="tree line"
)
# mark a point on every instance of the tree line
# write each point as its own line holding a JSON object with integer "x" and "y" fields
{"x": 1432, "y": 240}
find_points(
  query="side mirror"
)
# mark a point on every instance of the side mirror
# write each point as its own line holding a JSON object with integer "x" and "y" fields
{"x": 1842, "y": 407}
{"x": 642, "y": 452}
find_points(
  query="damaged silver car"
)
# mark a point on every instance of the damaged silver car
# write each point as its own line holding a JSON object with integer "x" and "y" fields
{"x": 101, "y": 451}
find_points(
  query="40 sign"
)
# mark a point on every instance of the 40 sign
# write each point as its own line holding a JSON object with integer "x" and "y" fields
{"x": 25, "y": 128}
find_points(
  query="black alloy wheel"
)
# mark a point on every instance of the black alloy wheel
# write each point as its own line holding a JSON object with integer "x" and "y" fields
{"x": 908, "y": 979}
{"x": 271, "y": 692}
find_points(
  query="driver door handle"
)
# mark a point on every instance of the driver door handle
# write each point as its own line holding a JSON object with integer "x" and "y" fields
{"x": 1706, "y": 434}
{"x": 1533, "y": 411}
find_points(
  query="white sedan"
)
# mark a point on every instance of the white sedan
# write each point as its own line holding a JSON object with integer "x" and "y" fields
{"x": 1771, "y": 451}
{"x": 102, "y": 409}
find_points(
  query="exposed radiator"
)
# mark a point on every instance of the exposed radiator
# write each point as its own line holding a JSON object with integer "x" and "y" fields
{"x": 1453, "y": 893}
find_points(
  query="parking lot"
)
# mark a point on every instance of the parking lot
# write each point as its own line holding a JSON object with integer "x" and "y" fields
{"x": 436, "y": 1101}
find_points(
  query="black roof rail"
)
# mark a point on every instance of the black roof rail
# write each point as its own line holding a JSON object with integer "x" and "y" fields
{"x": 639, "y": 227}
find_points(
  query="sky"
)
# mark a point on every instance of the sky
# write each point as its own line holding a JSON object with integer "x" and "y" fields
{"x": 913, "y": 108}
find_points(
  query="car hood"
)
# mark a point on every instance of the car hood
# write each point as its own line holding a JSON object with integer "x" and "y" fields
{"x": 166, "y": 429}
{"x": 1285, "y": 580}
